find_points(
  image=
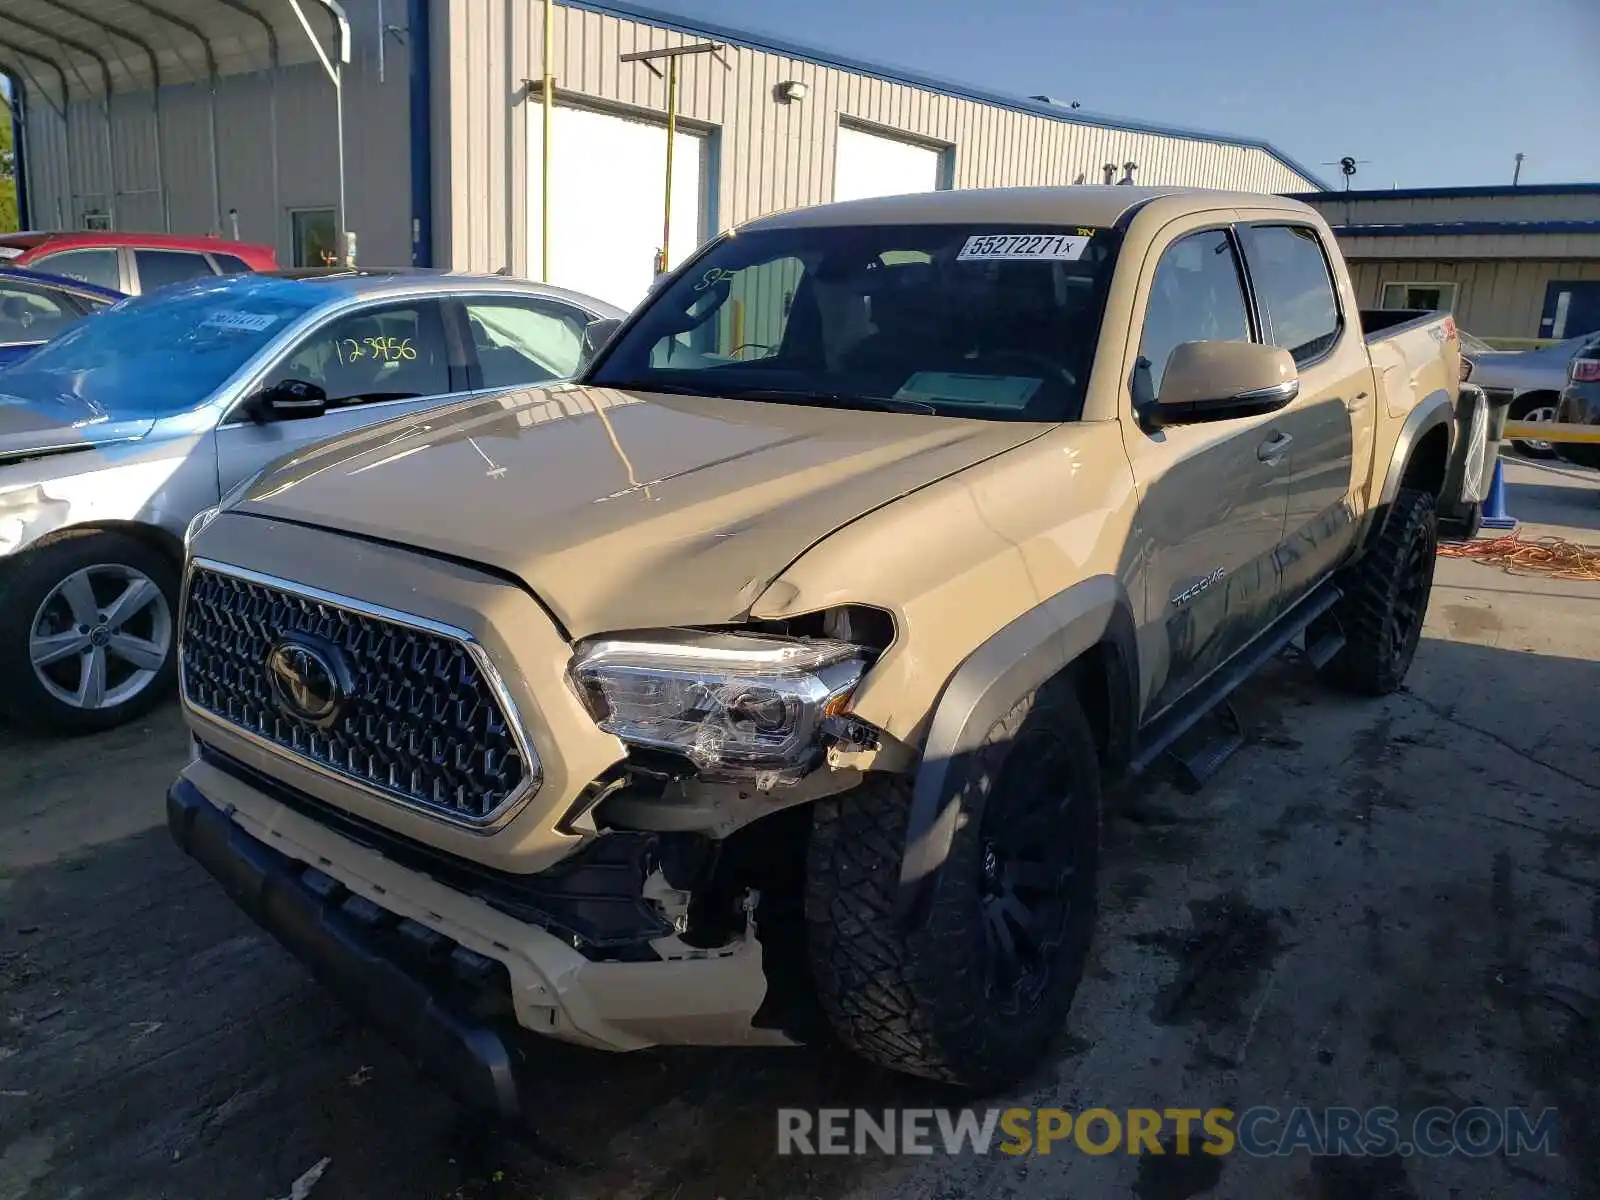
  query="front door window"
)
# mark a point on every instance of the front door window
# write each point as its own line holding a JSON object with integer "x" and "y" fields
{"x": 99, "y": 267}
{"x": 394, "y": 352}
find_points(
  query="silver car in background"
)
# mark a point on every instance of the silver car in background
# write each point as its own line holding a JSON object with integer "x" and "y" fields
{"x": 117, "y": 434}
{"x": 1531, "y": 379}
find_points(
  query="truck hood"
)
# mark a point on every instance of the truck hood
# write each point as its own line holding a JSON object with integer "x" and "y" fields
{"x": 33, "y": 426}
{"x": 624, "y": 510}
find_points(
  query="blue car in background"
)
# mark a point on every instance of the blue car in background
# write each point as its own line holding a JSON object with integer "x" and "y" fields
{"x": 34, "y": 307}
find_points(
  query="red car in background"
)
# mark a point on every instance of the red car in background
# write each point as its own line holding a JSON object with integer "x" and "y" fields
{"x": 132, "y": 262}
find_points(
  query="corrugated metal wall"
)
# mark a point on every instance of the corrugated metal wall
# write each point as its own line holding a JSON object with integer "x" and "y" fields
{"x": 1493, "y": 299}
{"x": 1474, "y": 245}
{"x": 768, "y": 155}
{"x": 73, "y": 170}
{"x": 1531, "y": 206}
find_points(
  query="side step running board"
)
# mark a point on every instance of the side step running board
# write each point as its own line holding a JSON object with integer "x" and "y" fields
{"x": 1320, "y": 652}
{"x": 1177, "y": 719}
{"x": 1198, "y": 766}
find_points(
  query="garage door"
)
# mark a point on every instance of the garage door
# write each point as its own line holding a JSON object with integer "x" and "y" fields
{"x": 869, "y": 164}
{"x": 606, "y": 193}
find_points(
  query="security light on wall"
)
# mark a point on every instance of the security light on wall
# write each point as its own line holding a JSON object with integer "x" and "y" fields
{"x": 791, "y": 90}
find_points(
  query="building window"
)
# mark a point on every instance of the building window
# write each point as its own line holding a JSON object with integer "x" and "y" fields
{"x": 96, "y": 220}
{"x": 315, "y": 234}
{"x": 1434, "y": 297}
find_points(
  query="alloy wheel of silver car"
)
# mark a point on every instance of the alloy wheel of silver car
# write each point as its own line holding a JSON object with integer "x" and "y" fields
{"x": 100, "y": 636}
{"x": 1544, "y": 413}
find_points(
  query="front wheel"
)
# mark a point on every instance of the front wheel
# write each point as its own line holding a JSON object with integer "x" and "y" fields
{"x": 87, "y": 633}
{"x": 974, "y": 994}
{"x": 1386, "y": 599}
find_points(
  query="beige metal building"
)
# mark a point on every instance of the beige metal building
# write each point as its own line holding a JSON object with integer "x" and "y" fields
{"x": 221, "y": 116}
{"x": 1509, "y": 262}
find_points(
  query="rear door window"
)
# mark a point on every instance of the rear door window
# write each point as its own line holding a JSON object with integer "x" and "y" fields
{"x": 1290, "y": 273}
{"x": 87, "y": 266}
{"x": 393, "y": 352}
{"x": 528, "y": 341}
{"x": 231, "y": 264}
{"x": 162, "y": 268}
{"x": 1196, "y": 296}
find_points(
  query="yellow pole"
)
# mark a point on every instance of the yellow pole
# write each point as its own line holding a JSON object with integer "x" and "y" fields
{"x": 544, "y": 181}
{"x": 672, "y": 131}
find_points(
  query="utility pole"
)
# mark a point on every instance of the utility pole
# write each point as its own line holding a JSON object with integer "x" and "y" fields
{"x": 1516, "y": 174}
{"x": 672, "y": 54}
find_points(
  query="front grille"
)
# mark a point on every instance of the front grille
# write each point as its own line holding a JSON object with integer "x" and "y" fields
{"x": 421, "y": 722}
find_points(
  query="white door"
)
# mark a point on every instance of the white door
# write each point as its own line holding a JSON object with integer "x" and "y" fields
{"x": 868, "y": 164}
{"x": 607, "y": 194}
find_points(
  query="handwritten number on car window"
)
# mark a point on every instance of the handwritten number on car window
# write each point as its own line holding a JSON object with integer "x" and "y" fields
{"x": 384, "y": 349}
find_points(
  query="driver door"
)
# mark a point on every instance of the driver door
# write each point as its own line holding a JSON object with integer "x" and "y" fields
{"x": 376, "y": 363}
{"x": 1213, "y": 496}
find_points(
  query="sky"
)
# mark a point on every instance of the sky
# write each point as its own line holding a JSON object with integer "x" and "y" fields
{"x": 1430, "y": 93}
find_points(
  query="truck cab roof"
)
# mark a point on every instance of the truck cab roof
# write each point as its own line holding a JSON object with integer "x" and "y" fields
{"x": 1098, "y": 206}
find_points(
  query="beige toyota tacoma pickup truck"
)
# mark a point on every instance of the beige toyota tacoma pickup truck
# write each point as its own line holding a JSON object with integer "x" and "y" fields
{"x": 762, "y": 682}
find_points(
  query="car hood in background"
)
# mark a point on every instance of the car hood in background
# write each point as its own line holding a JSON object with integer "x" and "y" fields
{"x": 624, "y": 509}
{"x": 30, "y": 426}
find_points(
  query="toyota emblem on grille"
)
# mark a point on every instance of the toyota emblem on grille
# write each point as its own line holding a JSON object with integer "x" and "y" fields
{"x": 306, "y": 681}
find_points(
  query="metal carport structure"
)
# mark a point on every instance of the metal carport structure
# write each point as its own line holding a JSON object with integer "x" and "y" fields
{"x": 105, "y": 67}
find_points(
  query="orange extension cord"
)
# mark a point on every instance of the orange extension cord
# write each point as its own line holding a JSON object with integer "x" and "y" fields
{"x": 1552, "y": 556}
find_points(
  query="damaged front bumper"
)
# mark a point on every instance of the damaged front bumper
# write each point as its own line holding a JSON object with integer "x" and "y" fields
{"x": 297, "y": 906}
{"x": 454, "y": 979}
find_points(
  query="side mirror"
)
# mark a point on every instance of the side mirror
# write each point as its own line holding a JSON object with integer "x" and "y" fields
{"x": 596, "y": 334}
{"x": 290, "y": 400}
{"x": 1217, "y": 381}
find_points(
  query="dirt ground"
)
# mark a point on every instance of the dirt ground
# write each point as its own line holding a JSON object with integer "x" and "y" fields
{"x": 1375, "y": 903}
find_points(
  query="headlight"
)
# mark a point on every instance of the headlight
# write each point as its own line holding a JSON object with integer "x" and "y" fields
{"x": 198, "y": 523}
{"x": 734, "y": 704}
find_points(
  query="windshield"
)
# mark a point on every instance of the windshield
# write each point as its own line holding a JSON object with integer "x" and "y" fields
{"x": 157, "y": 355}
{"x": 959, "y": 320}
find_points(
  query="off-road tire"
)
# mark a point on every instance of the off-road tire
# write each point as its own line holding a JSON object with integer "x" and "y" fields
{"x": 1385, "y": 599}
{"x": 25, "y": 581}
{"x": 916, "y": 999}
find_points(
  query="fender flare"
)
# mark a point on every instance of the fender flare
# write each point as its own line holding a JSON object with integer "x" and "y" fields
{"x": 1437, "y": 408}
{"x": 1013, "y": 662}
{"x": 1433, "y": 410}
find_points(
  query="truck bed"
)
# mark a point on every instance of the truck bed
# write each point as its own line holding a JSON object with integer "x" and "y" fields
{"x": 1383, "y": 322}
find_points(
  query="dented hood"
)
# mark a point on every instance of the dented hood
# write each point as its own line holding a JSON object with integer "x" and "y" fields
{"x": 34, "y": 426}
{"x": 621, "y": 509}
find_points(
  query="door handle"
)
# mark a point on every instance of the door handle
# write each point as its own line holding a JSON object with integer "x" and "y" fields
{"x": 1271, "y": 450}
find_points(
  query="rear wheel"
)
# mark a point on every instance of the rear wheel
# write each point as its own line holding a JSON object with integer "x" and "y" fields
{"x": 975, "y": 994}
{"x": 1385, "y": 600}
{"x": 87, "y": 633}
{"x": 1541, "y": 407}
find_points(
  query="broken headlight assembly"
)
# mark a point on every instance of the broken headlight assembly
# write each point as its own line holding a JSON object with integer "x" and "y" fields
{"x": 737, "y": 706}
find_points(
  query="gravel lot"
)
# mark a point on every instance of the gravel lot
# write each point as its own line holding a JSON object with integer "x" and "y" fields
{"x": 1376, "y": 903}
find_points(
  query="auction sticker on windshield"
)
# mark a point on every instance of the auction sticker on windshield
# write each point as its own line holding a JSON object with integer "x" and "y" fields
{"x": 1053, "y": 247}
{"x": 243, "y": 322}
